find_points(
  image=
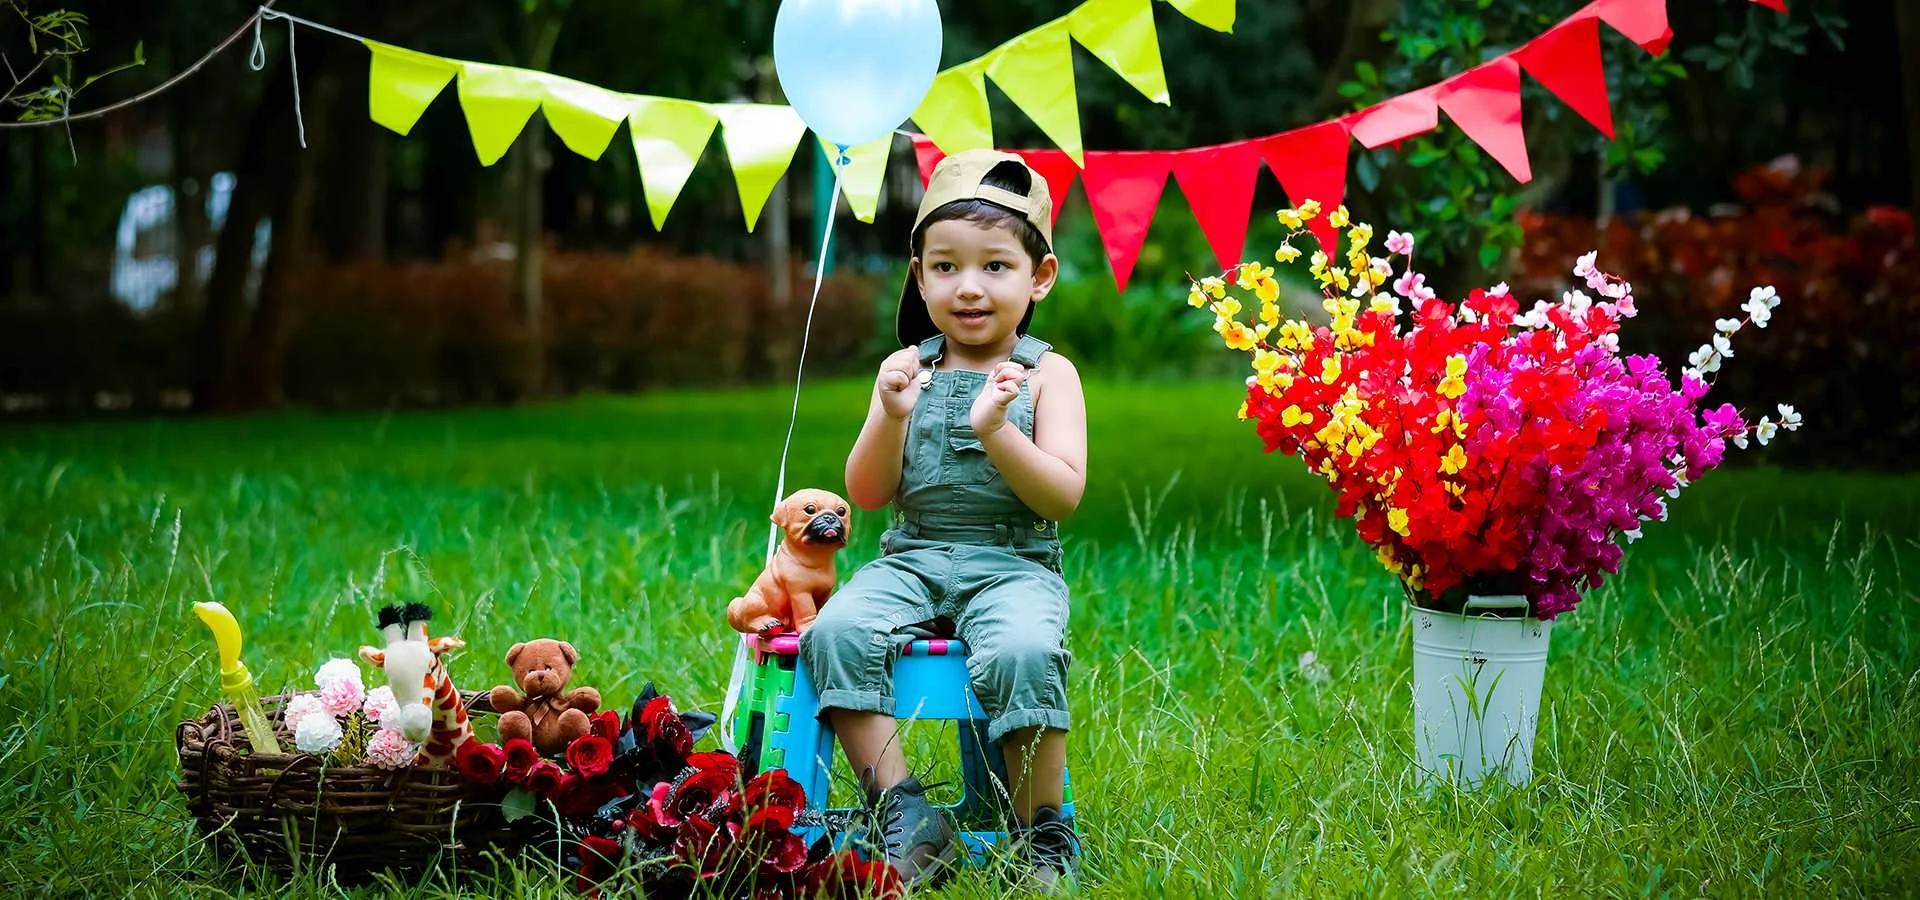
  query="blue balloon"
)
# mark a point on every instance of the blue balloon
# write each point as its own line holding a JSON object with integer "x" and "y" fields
{"x": 855, "y": 69}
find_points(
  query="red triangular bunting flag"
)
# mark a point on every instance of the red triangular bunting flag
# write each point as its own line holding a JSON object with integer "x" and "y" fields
{"x": 1395, "y": 119}
{"x": 1778, "y": 6}
{"x": 928, "y": 155}
{"x": 1644, "y": 22}
{"x": 1124, "y": 190}
{"x": 1058, "y": 169}
{"x": 1567, "y": 61}
{"x": 1311, "y": 164}
{"x": 1218, "y": 183}
{"x": 1485, "y": 102}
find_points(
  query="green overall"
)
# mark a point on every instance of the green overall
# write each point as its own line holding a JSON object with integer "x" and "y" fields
{"x": 962, "y": 548}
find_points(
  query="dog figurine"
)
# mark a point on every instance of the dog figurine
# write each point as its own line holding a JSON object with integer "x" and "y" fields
{"x": 789, "y": 592}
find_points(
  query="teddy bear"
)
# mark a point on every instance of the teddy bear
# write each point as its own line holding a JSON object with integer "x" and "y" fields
{"x": 548, "y": 714}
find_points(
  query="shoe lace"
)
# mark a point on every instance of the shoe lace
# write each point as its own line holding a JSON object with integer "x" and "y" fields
{"x": 891, "y": 814}
{"x": 1052, "y": 844}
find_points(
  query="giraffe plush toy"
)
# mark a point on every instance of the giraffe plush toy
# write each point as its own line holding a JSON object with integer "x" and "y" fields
{"x": 430, "y": 708}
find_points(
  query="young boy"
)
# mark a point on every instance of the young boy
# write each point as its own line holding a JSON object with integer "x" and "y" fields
{"x": 977, "y": 435}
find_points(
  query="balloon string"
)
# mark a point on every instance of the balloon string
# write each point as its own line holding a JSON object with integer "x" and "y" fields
{"x": 737, "y": 679}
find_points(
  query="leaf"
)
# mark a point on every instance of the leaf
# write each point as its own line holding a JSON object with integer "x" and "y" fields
{"x": 1368, "y": 74}
{"x": 140, "y": 52}
{"x": 517, "y": 804}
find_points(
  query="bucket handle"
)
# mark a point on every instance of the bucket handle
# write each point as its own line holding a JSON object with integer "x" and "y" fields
{"x": 1508, "y": 601}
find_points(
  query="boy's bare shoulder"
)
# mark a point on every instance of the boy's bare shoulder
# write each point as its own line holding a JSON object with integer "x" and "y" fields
{"x": 1054, "y": 365}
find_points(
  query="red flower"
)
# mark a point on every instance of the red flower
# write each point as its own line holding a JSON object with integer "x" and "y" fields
{"x": 768, "y": 837}
{"x": 580, "y": 795}
{"x": 716, "y": 762}
{"x": 521, "y": 756}
{"x": 599, "y": 858}
{"x": 664, "y": 730}
{"x": 479, "y": 762}
{"x": 590, "y": 755}
{"x": 605, "y": 725}
{"x": 707, "y": 792}
{"x": 707, "y": 847}
{"x": 845, "y": 876}
{"x": 651, "y": 821}
{"x": 774, "y": 789}
{"x": 544, "y": 778}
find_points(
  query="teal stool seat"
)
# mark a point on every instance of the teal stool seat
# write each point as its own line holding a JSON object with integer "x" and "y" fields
{"x": 779, "y": 721}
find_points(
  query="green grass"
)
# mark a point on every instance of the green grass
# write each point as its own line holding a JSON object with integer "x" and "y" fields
{"x": 1737, "y": 714}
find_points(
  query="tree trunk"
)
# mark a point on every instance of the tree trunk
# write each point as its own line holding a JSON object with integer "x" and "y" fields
{"x": 1909, "y": 24}
{"x": 223, "y": 322}
{"x": 528, "y": 255}
{"x": 263, "y": 368}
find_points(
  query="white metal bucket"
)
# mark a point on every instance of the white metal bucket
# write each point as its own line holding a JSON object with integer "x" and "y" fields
{"x": 1476, "y": 692}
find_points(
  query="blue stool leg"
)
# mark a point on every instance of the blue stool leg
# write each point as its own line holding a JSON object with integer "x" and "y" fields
{"x": 807, "y": 743}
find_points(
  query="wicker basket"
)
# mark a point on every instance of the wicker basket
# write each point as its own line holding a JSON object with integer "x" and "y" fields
{"x": 288, "y": 810}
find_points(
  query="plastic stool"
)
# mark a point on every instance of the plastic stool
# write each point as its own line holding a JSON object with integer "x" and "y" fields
{"x": 779, "y": 721}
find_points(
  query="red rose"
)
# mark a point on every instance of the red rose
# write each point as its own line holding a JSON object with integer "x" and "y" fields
{"x": 479, "y": 762}
{"x": 768, "y": 837}
{"x": 708, "y": 793}
{"x": 544, "y": 778}
{"x": 599, "y": 858}
{"x": 580, "y": 795}
{"x": 590, "y": 755}
{"x": 716, "y": 762}
{"x": 774, "y": 789}
{"x": 605, "y": 725}
{"x": 650, "y": 820}
{"x": 520, "y": 759}
{"x": 665, "y": 732}
{"x": 706, "y": 847}
{"x": 844, "y": 876}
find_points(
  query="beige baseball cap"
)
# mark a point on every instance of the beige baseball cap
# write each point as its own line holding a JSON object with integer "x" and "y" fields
{"x": 960, "y": 177}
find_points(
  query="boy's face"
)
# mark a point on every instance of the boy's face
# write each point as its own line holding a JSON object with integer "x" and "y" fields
{"x": 978, "y": 280}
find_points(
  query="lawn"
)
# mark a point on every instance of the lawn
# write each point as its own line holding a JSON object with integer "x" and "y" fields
{"x": 1737, "y": 714}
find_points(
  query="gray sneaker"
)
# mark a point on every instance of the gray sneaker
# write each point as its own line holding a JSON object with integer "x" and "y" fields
{"x": 1049, "y": 851}
{"x": 918, "y": 841}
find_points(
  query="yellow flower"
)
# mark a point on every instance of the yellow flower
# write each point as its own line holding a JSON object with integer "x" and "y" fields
{"x": 1296, "y": 335}
{"x": 1454, "y": 461}
{"x": 1196, "y": 298}
{"x": 1338, "y": 218}
{"x": 1289, "y": 217}
{"x": 1214, "y": 286}
{"x": 1330, "y": 370}
{"x": 1292, "y": 416}
{"x": 1261, "y": 331}
{"x": 1243, "y": 410}
{"x": 1287, "y": 253}
{"x": 1397, "y": 520}
{"x": 1237, "y": 336}
{"x": 1267, "y": 289}
{"x": 1270, "y": 313}
{"x": 1360, "y": 234}
{"x": 1452, "y": 388}
{"x": 1340, "y": 281}
{"x": 1456, "y": 366}
{"x": 1227, "y": 308}
{"x": 1309, "y": 209}
{"x": 1448, "y": 420}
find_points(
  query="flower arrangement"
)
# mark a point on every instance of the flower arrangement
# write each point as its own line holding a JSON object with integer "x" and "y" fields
{"x": 634, "y": 798}
{"x": 345, "y": 722}
{"x": 1478, "y": 449}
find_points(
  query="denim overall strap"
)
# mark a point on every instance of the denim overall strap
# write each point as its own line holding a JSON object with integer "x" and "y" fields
{"x": 1029, "y": 350}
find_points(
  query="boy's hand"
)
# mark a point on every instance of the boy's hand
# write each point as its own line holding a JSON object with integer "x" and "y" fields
{"x": 899, "y": 382}
{"x": 989, "y": 412}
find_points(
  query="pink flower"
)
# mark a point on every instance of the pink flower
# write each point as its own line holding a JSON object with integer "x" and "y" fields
{"x": 389, "y": 750}
{"x": 1400, "y": 243}
{"x": 341, "y": 697}
{"x": 300, "y": 707}
{"x": 1413, "y": 286}
{"x": 380, "y": 704}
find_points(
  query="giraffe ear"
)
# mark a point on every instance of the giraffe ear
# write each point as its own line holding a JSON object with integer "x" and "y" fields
{"x": 514, "y": 651}
{"x": 375, "y": 657}
{"x": 572, "y": 655}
